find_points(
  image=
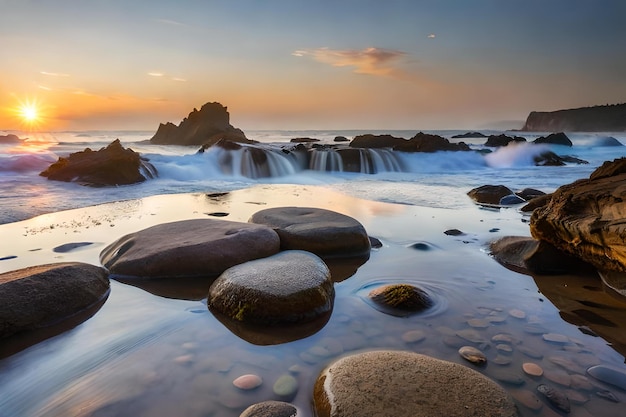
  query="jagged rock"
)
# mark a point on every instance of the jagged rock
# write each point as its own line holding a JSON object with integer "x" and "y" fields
{"x": 469, "y": 135}
{"x": 189, "y": 248}
{"x": 609, "y": 118}
{"x": 489, "y": 194}
{"x": 202, "y": 127}
{"x": 113, "y": 165}
{"x": 536, "y": 202}
{"x": 495, "y": 141}
{"x": 10, "y": 139}
{"x": 549, "y": 158}
{"x": 554, "y": 139}
{"x": 40, "y": 296}
{"x": 289, "y": 287}
{"x": 424, "y": 142}
{"x": 586, "y": 218}
{"x": 323, "y": 232}
{"x": 406, "y": 384}
{"x": 375, "y": 141}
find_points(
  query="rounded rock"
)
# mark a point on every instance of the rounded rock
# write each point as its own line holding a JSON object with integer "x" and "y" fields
{"x": 323, "y": 232}
{"x": 289, "y": 287}
{"x": 270, "y": 409}
{"x": 400, "y": 299}
{"x": 248, "y": 382}
{"x": 406, "y": 384}
{"x": 473, "y": 355}
{"x": 532, "y": 369}
{"x": 286, "y": 386}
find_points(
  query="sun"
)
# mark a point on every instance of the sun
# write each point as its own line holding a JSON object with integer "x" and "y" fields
{"x": 31, "y": 113}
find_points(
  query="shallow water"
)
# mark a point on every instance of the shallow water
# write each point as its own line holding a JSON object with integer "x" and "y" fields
{"x": 146, "y": 355}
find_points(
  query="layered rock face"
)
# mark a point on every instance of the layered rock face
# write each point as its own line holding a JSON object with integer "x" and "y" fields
{"x": 586, "y": 218}
{"x": 202, "y": 127}
{"x": 586, "y": 119}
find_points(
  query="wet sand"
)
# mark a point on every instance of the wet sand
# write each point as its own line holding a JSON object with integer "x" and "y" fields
{"x": 148, "y": 355}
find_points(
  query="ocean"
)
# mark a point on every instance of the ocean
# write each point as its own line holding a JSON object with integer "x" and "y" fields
{"x": 432, "y": 180}
{"x": 152, "y": 350}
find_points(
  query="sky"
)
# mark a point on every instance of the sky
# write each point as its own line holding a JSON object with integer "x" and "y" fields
{"x": 291, "y": 64}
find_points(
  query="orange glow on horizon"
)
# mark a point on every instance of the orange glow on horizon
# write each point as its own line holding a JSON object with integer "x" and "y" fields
{"x": 31, "y": 114}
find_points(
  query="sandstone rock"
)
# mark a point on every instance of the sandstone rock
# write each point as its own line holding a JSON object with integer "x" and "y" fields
{"x": 39, "y": 296}
{"x": 536, "y": 202}
{"x": 270, "y": 409}
{"x": 489, "y": 194}
{"x": 586, "y": 218}
{"x": 289, "y": 287}
{"x": 496, "y": 141}
{"x": 113, "y": 165}
{"x": 406, "y": 384}
{"x": 424, "y": 142}
{"x": 189, "y": 248}
{"x": 555, "y": 139}
{"x": 324, "y": 232}
{"x": 202, "y": 127}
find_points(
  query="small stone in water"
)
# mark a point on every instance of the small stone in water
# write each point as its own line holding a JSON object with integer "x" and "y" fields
{"x": 528, "y": 399}
{"x": 184, "y": 359}
{"x": 517, "y": 313}
{"x": 555, "y": 338}
{"x": 535, "y": 329}
{"x": 555, "y": 397}
{"x": 413, "y": 336}
{"x": 557, "y": 377}
{"x": 504, "y": 348}
{"x": 478, "y": 323}
{"x": 502, "y": 360}
{"x": 607, "y": 395}
{"x": 471, "y": 335}
{"x": 248, "y": 382}
{"x": 285, "y": 386}
{"x": 270, "y": 408}
{"x": 503, "y": 338}
{"x": 610, "y": 375}
{"x": 580, "y": 382}
{"x": 473, "y": 355}
{"x": 532, "y": 369}
{"x": 576, "y": 397}
{"x": 531, "y": 353}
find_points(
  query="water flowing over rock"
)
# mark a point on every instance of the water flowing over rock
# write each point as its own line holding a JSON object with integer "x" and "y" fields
{"x": 40, "y": 296}
{"x": 201, "y": 127}
{"x": 406, "y": 384}
{"x": 554, "y": 139}
{"x": 112, "y": 165}
{"x": 495, "y": 141}
{"x": 586, "y": 218}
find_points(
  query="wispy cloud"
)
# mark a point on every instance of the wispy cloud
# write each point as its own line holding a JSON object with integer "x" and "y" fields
{"x": 156, "y": 74}
{"x": 163, "y": 75}
{"x": 169, "y": 22}
{"x": 370, "y": 61}
{"x": 54, "y": 74}
{"x": 431, "y": 36}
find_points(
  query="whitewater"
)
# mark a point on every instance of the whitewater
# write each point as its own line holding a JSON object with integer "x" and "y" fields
{"x": 436, "y": 180}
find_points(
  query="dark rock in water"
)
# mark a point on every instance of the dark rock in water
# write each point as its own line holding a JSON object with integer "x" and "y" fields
{"x": 421, "y": 246}
{"x": 453, "y": 232}
{"x": 530, "y": 193}
{"x": 289, "y": 287}
{"x": 324, "y": 232}
{"x": 189, "y": 248}
{"x": 609, "y": 118}
{"x": 68, "y": 247}
{"x": 473, "y": 355}
{"x": 406, "y": 384}
{"x": 585, "y": 218}
{"x": 469, "y": 135}
{"x": 555, "y": 397}
{"x": 606, "y": 141}
{"x": 270, "y": 409}
{"x": 40, "y": 296}
{"x": 218, "y": 214}
{"x": 489, "y": 194}
{"x": 10, "y": 139}
{"x": 549, "y": 158}
{"x": 609, "y": 374}
{"x": 113, "y": 165}
{"x": 375, "y": 141}
{"x": 424, "y": 142}
{"x": 304, "y": 140}
{"x": 375, "y": 243}
{"x": 496, "y": 141}
{"x": 400, "y": 299}
{"x": 341, "y": 139}
{"x": 201, "y": 127}
{"x": 511, "y": 200}
{"x": 555, "y": 139}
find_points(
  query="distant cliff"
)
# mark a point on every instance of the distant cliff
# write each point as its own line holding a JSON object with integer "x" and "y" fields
{"x": 609, "y": 118}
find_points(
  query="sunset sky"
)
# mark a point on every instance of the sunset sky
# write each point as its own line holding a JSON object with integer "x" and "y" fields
{"x": 290, "y": 64}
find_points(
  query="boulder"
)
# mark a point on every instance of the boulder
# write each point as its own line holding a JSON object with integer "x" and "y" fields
{"x": 341, "y": 139}
{"x": 424, "y": 142}
{"x": 44, "y": 295}
{"x": 304, "y": 140}
{"x": 375, "y": 141}
{"x": 10, "y": 139}
{"x": 201, "y": 127}
{"x": 529, "y": 193}
{"x": 469, "y": 135}
{"x": 112, "y": 165}
{"x": 606, "y": 141}
{"x": 289, "y": 287}
{"x": 549, "y": 158}
{"x": 400, "y": 299}
{"x": 554, "y": 139}
{"x": 586, "y": 218}
{"x": 324, "y": 232}
{"x": 496, "y": 141}
{"x": 406, "y": 384}
{"x": 271, "y": 409}
{"x": 489, "y": 194}
{"x": 189, "y": 248}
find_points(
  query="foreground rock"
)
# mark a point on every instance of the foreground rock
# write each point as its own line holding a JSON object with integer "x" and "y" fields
{"x": 289, "y": 287}
{"x": 202, "y": 127}
{"x": 113, "y": 165}
{"x": 406, "y": 384}
{"x": 189, "y": 248}
{"x": 40, "y": 296}
{"x": 586, "y": 218}
{"x": 323, "y": 232}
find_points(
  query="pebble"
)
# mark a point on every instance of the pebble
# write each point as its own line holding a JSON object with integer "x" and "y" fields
{"x": 576, "y": 397}
{"x": 557, "y": 377}
{"x": 507, "y": 377}
{"x": 555, "y": 338}
{"x": 607, "y": 395}
{"x": 502, "y": 360}
{"x": 248, "y": 382}
{"x": 518, "y": 314}
{"x": 534, "y": 328}
{"x": 413, "y": 336}
{"x": 580, "y": 382}
{"x": 286, "y": 386}
{"x": 555, "y": 397}
{"x": 566, "y": 364}
{"x": 478, "y": 323}
{"x": 527, "y": 399}
{"x": 473, "y": 355}
{"x": 270, "y": 409}
{"x": 504, "y": 348}
{"x": 184, "y": 359}
{"x": 609, "y": 374}
{"x": 503, "y": 338}
{"x": 531, "y": 353}
{"x": 471, "y": 335}
{"x": 453, "y": 341}
{"x": 496, "y": 319}
{"x": 532, "y": 369}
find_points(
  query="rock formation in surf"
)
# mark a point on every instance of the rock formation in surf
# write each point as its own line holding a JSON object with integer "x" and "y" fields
{"x": 609, "y": 118}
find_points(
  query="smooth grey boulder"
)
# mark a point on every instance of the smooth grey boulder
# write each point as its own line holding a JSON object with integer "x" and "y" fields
{"x": 44, "y": 295}
{"x": 323, "y": 232}
{"x": 289, "y": 287}
{"x": 189, "y": 248}
{"x": 406, "y": 384}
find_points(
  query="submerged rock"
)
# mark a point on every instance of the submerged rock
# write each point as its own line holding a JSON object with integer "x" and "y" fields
{"x": 289, "y": 287}
{"x": 555, "y": 397}
{"x": 400, "y": 299}
{"x": 406, "y": 384}
{"x": 40, "y": 296}
{"x": 112, "y": 165}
